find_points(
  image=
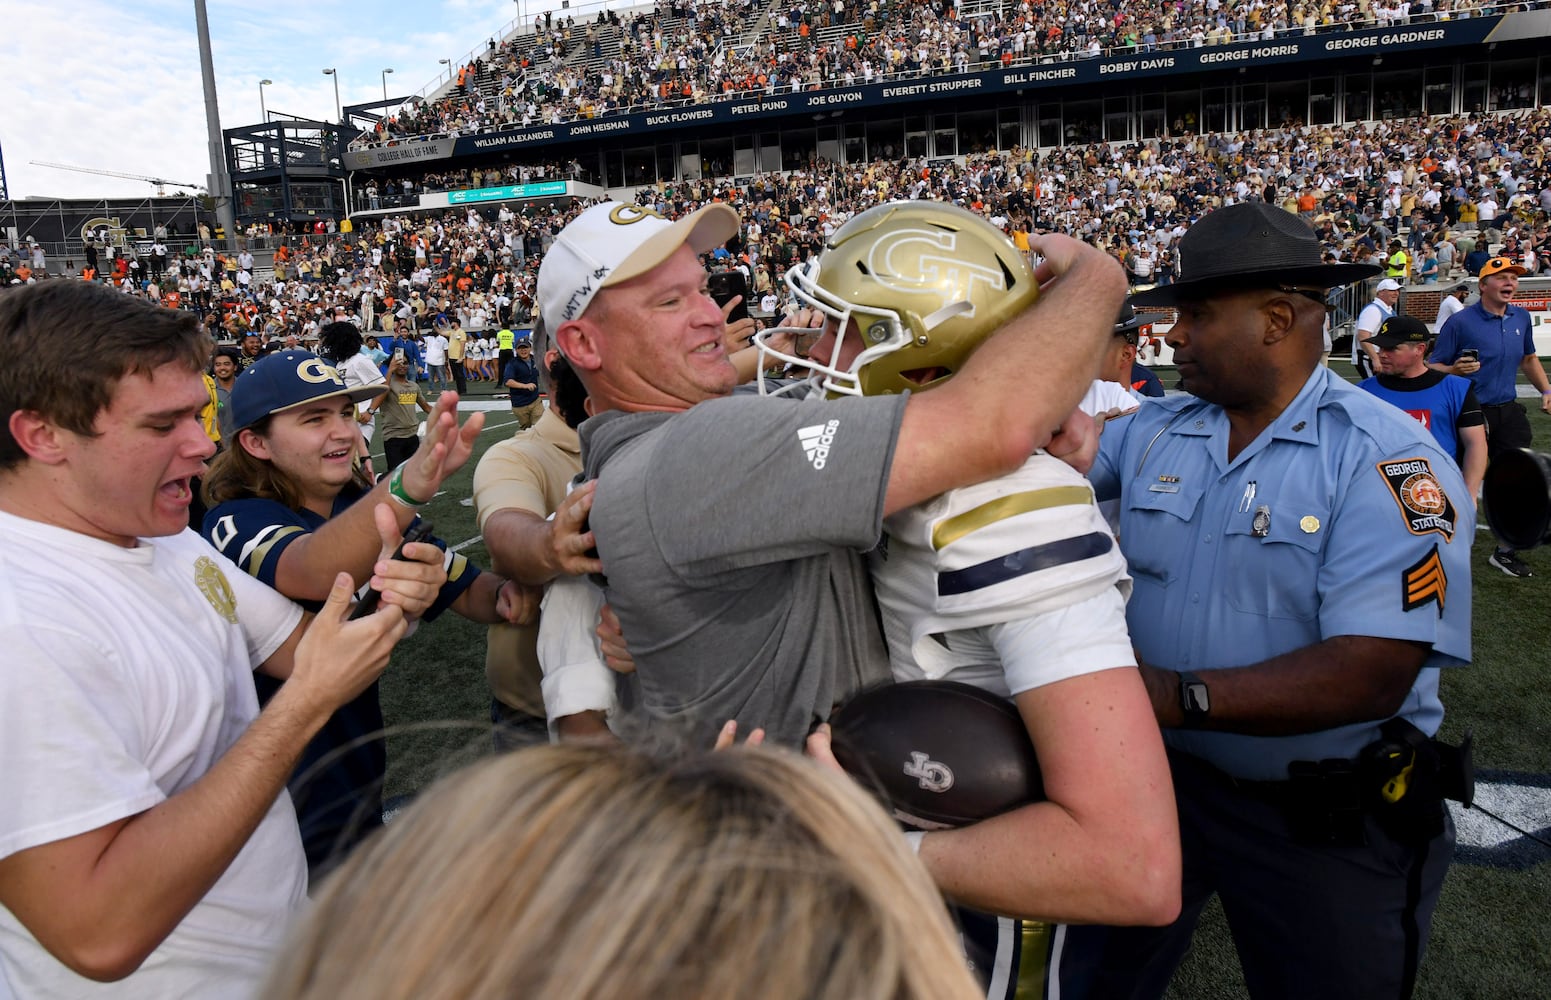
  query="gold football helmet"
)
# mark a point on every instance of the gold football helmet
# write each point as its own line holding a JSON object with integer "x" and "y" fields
{"x": 922, "y": 283}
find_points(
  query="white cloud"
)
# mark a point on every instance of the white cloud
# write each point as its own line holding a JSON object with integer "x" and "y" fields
{"x": 117, "y": 87}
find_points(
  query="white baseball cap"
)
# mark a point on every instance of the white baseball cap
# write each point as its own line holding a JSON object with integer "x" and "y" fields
{"x": 1389, "y": 285}
{"x": 613, "y": 242}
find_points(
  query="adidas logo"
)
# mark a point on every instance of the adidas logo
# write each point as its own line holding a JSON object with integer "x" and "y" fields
{"x": 816, "y": 441}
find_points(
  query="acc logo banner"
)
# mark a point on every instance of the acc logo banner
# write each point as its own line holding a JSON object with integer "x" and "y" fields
{"x": 1423, "y": 504}
{"x": 919, "y": 260}
{"x": 1425, "y": 583}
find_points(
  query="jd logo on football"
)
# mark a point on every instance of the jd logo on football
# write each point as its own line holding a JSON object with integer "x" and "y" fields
{"x": 934, "y": 775}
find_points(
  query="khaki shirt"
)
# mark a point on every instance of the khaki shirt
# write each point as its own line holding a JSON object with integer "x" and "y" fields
{"x": 531, "y": 471}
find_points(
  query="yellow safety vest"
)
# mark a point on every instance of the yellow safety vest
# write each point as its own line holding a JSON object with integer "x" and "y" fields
{"x": 210, "y": 415}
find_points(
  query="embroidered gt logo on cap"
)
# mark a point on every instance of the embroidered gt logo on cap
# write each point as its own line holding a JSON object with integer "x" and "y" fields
{"x": 314, "y": 370}
{"x": 624, "y": 215}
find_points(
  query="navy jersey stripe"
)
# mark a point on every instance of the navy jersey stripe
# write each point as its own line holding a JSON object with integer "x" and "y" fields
{"x": 1023, "y": 562}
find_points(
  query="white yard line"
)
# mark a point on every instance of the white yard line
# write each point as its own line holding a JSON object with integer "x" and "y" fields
{"x": 488, "y": 427}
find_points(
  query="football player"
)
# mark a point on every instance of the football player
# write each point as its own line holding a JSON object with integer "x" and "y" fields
{"x": 1014, "y": 585}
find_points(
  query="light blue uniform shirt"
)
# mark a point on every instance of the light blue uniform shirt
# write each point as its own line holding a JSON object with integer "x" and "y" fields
{"x": 1362, "y": 533}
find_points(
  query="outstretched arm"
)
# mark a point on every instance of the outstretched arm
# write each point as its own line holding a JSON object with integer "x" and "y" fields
{"x": 943, "y": 440}
{"x": 102, "y": 901}
{"x": 349, "y": 542}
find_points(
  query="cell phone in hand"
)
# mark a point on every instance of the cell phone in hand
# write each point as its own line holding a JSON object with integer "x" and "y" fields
{"x": 727, "y": 285}
{"x": 1470, "y": 354}
{"x": 418, "y": 532}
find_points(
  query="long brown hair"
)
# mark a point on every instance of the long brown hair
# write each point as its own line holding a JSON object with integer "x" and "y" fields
{"x": 236, "y": 474}
{"x": 584, "y": 872}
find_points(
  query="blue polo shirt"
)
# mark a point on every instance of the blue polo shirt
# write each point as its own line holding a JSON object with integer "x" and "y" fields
{"x": 1366, "y": 530}
{"x": 518, "y": 370}
{"x": 1503, "y": 342}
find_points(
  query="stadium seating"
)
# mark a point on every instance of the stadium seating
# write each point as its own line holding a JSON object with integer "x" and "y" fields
{"x": 684, "y": 51}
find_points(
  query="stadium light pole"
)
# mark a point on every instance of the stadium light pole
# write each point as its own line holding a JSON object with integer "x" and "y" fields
{"x": 339, "y": 114}
{"x": 448, "y": 64}
{"x": 263, "y": 111}
{"x": 219, "y": 184}
{"x": 385, "y": 85}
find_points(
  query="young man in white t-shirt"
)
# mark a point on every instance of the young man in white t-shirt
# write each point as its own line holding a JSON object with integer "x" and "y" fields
{"x": 435, "y": 346}
{"x": 145, "y": 833}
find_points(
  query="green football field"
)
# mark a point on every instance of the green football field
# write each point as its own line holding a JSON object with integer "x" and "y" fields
{"x": 1490, "y": 938}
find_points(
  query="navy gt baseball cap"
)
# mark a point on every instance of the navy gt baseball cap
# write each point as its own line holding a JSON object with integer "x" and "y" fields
{"x": 286, "y": 380}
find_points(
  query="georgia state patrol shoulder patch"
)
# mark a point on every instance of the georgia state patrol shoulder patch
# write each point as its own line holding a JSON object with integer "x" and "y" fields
{"x": 1423, "y": 504}
{"x": 1425, "y": 582}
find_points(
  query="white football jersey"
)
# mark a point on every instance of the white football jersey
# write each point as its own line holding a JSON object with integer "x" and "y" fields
{"x": 1007, "y": 585}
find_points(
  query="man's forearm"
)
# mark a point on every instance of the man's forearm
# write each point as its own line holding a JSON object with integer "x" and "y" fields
{"x": 1473, "y": 467}
{"x": 1536, "y": 372}
{"x": 520, "y": 546}
{"x": 1336, "y": 682}
{"x": 478, "y": 602}
{"x": 942, "y": 440}
{"x": 345, "y": 543}
{"x": 1065, "y": 331}
{"x": 162, "y": 862}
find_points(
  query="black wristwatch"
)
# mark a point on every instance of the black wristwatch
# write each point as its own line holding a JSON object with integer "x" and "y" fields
{"x": 1194, "y": 700}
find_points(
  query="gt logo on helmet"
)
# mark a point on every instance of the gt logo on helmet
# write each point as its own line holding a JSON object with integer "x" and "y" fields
{"x": 919, "y": 262}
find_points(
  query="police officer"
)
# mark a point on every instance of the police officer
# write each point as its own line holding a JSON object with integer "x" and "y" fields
{"x": 1300, "y": 551}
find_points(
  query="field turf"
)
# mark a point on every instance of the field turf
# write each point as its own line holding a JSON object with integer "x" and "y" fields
{"x": 1490, "y": 938}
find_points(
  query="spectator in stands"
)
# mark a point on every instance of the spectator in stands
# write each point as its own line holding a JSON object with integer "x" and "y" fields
{"x": 1452, "y": 302}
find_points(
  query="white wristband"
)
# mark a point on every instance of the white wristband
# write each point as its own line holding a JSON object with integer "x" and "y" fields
{"x": 914, "y": 838}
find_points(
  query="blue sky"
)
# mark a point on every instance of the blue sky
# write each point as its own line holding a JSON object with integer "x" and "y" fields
{"x": 116, "y": 86}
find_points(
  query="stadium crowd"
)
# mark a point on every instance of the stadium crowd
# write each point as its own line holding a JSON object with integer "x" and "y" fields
{"x": 688, "y": 52}
{"x": 1426, "y": 200}
{"x": 1434, "y": 190}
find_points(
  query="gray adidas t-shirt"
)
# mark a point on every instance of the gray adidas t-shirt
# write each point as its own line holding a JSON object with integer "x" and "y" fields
{"x": 731, "y": 536}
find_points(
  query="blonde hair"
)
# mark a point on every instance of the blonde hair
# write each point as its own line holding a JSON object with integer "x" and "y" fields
{"x": 586, "y": 872}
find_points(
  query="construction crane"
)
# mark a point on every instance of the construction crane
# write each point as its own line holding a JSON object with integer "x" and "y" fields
{"x": 160, "y": 182}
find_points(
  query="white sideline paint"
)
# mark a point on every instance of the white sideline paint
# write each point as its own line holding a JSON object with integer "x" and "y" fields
{"x": 1526, "y": 806}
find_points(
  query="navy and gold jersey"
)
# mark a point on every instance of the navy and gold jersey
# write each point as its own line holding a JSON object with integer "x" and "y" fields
{"x": 337, "y": 784}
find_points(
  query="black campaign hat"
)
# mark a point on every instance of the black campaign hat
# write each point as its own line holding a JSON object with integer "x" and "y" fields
{"x": 1250, "y": 245}
{"x": 1130, "y": 322}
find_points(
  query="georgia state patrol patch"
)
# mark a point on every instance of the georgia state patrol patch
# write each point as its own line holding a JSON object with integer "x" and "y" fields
{"x": 1423, "y": 504}
{"x": 217, "y": 590}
